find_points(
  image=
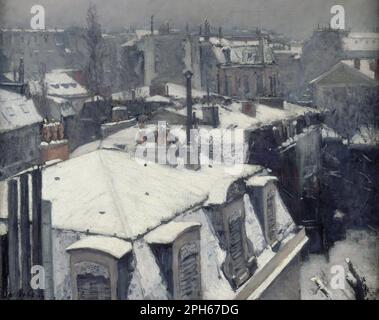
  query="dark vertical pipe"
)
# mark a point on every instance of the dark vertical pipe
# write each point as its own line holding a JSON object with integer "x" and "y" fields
{"x": 13, "y": 253}
{"x": 3, "y": 266}
{"x": 2, "y": 271}
{"x": 25, "y": 235}
{"x": 37, "y": 221}
{"x": 188, "y": 74}
{"x": 152, "y": 24}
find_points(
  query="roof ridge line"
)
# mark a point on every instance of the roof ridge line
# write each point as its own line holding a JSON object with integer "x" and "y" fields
{"x": 115, "y": 197}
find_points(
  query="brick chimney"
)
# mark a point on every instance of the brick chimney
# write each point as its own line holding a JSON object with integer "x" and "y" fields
{"x": 54, "y": 145}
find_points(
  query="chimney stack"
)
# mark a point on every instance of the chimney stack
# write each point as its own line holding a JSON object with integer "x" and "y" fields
{"x": 207, "y": 30}
{"x": 21, "y": 71}
{"x": 227, "y": 55}
{"x": 188, "y": 74}
{"x": 192, "y": 160}
{"x": 152, "y": 24}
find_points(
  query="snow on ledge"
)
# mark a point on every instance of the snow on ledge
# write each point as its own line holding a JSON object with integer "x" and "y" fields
{"x": 167, "y": 233}
{"x": 260, "y": 181}
{"x": 113, "y": 246}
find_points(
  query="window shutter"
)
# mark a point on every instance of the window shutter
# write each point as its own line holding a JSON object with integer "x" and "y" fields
{"x": 189, "y": 278}
{"x": 271, "y": 216}
{"x": 236, "y": 245}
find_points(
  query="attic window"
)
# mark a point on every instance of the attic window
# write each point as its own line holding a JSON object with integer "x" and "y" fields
{"x": 65, "y": 85}
{"x": 56, "y": 86}
{"x": 74, "y": 85}
{"x": 176, "y": 247}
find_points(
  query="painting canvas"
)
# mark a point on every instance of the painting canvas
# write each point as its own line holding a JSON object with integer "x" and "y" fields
{"x": 189, "y": 150}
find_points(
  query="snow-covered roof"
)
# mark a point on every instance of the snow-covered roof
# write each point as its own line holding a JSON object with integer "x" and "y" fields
{"x": 232, "y": 116}
{"x": 179, "y": 91}
{"x": 158, "y": 98}
{"x": 140, "y": 33}
{"x": 167, "y": 233}
{"x": 107, "y": 192}
{"x": 113, "y": 246}
{"x": 16, "y": 111}
{"x": 260, "y": 181}
{"x": 241, "y": 52}
{"x": 60, "y": 84}
{"x": 346, "y": 74}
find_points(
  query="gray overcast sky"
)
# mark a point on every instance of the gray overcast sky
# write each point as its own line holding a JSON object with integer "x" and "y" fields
{"x": 295, "y": 18}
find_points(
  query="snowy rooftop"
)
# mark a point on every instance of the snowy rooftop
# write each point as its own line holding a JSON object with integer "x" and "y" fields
{"x": 113, "y": 246}
{"x": 344, "y": 72}
{"x": 16, "y": 111}
{"x": 232, "y": 117}
{"x": 60, "y": 84}
{"x": 260, "y": 181}
{"x": 169, "y": 232}
{"x": 107, "y": 192}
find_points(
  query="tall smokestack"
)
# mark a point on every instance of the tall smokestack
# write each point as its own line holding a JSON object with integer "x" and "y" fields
{"x": 188, "y": 74}
{"x": 207, "y": 30}
{"x": 192, "y": 154}
{"x": 152, "y": 24}
{"x": 13, "y": 239}
{"x": 21, "y": 71}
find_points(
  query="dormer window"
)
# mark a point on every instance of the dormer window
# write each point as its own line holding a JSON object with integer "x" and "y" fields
{"x": 263, "y": 193}
{"x": 176, "y": 247}
{"x": 228, "y": 220}
{"x": 100, "y": 268}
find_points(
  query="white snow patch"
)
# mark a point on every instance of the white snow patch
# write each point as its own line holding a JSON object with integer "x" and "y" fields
{"x": 113, "y": 246}
{"x": 253, "y": 228}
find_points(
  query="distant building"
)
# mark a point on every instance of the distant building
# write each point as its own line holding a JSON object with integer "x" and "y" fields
{"x": 59, "y": 99}
{"x": 241, "y": 69}
{"x": 20, "y": 133}
{"x": 350, "y": 98}
{"x": 161, "y": 57}
{"x": 327, "y": 47}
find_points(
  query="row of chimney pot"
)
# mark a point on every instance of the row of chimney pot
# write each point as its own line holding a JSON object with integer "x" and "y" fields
{"x": 53, "y": 131}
